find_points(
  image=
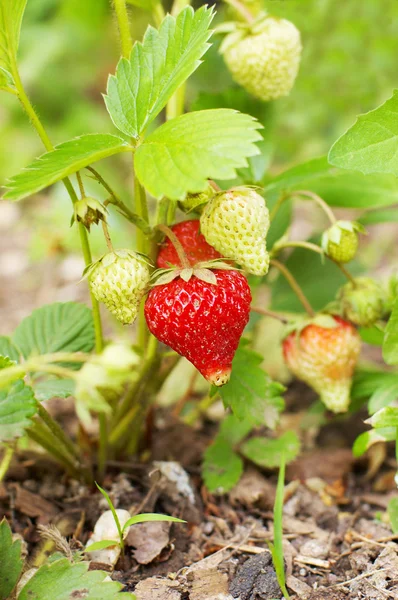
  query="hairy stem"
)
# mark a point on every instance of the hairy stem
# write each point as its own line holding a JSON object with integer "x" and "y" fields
{"x": 294, "y": 285}
{"x": 40, "y": 434}
{"x": 107, "y": 236}
{"x": 278, "y": 529}
{"x": 124, "y": 27}
{"x": 37, "y": 124}
{"x": 6, "y": 461}
{"x": 58, "y": 432}
{"x": 345, "y": 272}
{"x": 177, "y": 245}
{"x": 102, "y": 445}
{"x": 80, "y": 184}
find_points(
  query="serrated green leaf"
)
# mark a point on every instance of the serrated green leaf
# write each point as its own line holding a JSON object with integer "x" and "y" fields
{"x": 383, "y": 396}
{"x": 367, "y": 383}
{"x": 5, "y": 362}
{"x": 392, "y": 510}
{"x": 368, "y": 438}
{"x": 144, "y": 83}
{"x": 181, "y": 155}
{"x": 251, "y": 393}
{"x": 65, "y": 159}
{"x": 385, "y": 417}
{"x": 11, "y": 13}
{"x": 370, "y": 146}
{"x": 7, "y": 348}
{"x": 390, "y": 344}
{"x": 62, "y": 326}
{"x": 17, "y": 407}
{"x": 222, "y": 467}
{"x": 11, "y": 562}
{"x": 53, "y": 388}
{"x": 234, "y": 430}
{"x": 146, "y": 517}
{"x": 268, "y": 453}
{"x": 62, "y": 580}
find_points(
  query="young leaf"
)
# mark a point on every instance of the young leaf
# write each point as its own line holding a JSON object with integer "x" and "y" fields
{"x": 10, "y": 561}
{"x": 366, "y": 439}
{"x": 57, "y": 327}
{"x": 11, "y": 13}
{"x": 383, "y": 396}
{"x": 62, "y": 580}
{"x": 370, "y": 146}
{"x": 234, "y": 430}
{"x": 53, "y": 388}
{"x": 17, "y": 407}
{"x": 65, "y": 159}
{"x": 393, "y": 514}
{"x": 367, "y": 383}
{"x": 268, "y": 453}
{"x": 144, "y": 83}
{"x": 385, "y": 417}
{"x": 181, "y": 155}
{"x": 101, "y": 545}
{"x": 390, "y": 344}
{"x": 113, "y": 511}
{"x": 7, "y": 348}
{"x": 145, "y": 517}
{"x": 222, "y": 467}
{"x": 250, "y": 393}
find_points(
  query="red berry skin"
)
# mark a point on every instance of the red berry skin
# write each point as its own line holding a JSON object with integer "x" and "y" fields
{"x": 202, "y": 321}
{"x": 195, "y": 246}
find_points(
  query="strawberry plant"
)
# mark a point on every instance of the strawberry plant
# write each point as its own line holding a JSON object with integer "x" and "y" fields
{"x": 214, "y": 251}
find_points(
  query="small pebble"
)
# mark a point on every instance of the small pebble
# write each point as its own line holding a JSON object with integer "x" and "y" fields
{"x": 303, "y": 572}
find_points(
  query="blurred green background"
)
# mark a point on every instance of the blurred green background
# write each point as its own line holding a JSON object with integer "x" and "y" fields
{"x": 68, "y": 48}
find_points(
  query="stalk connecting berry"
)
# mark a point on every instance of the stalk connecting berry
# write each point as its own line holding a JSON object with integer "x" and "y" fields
{"x": 236, "y": 224}
{"x": 120, "y": 279}
{"x": 264, "y": 57}
{"x": 325, "y": 359}
{"x": 193, "y": 243}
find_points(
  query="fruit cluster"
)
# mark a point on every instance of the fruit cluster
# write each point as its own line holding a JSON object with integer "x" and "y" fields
{"x": 198, "y": 301}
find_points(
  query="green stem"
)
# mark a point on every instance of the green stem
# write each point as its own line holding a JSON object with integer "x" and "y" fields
{"x": 58, "y": 432}
{"x": 321, "y": 203}
{"x": 116, "y": 201}
{"x": 294, "y": 285}
{"x": 124, "y": 27}
{"x": 107, "y": 236}
{"x": 30, "y": 111}
{"x": 269, "y": 313}
{"x": 6, "y": 461}
{"x": 277, "y": 553}
{"x": 306, "y": 245}
{"x": 80, "y": 184}
{"x": 277, "y": 206}
{"x": 141, "y": 208}
{"x": 41, "y": 436}
{"x": 345, "y": 272}
{"x": 158, "y": 13}
{"x": 177, "y": 245}
{"x": 200, "y": 409}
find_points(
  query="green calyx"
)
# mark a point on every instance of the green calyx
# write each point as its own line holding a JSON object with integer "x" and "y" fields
{"x": 196, "y": 202}
{"x": 88, "y": 211}
{"x": 363, "y": 302}
{"x": 202, "y": 270}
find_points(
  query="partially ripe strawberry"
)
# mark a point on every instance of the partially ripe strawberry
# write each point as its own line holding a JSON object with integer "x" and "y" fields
{"x": 194, "y": 245}
{"x": 202, "y": 321}
{"x": 325, "y": 359}
{"x": 236, "y": 223}
{"x": 120, "y": 279}
{"x": 264, "y": 59}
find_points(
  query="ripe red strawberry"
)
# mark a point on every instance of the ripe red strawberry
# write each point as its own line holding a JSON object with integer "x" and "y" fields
{"x": 325, "y": 358}
{"x": 200, "y": 320}
{"x": 193, "y": 242}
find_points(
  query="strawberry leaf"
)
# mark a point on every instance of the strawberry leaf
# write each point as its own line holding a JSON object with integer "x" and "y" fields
{"x": 65, "y": 159}
{"x": 11, "y": 13}
{"x": 17, "y": 407}
{"x": 10, "y": 561}
{"x": 58, "y": 327}
{"x": 62, "y": 580}
{"x": 143, "y": 84}
{"x": 53, "y": 388}
{"x": 251, "y": 393}
{"x": 222, "y": 467}
{"x": 370, "y": 146}
{"x": 146, "y": 517}
{"x": 268, "y": 453}
{"x": 7, "y": 348}
{"x": 181, "y": 155}
{"x": 366, "y": 439}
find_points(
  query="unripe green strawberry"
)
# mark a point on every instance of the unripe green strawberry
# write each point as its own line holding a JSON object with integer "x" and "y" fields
{"x": 364, "y": 302}
{"x": 340, "y": 241}
{"x": 325, "y": 359}
{"x": 119, "y": 280}
{"x": 196, "y": 202}
{"x": 264, "y": 60}
{"x": 236, "y": 224}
